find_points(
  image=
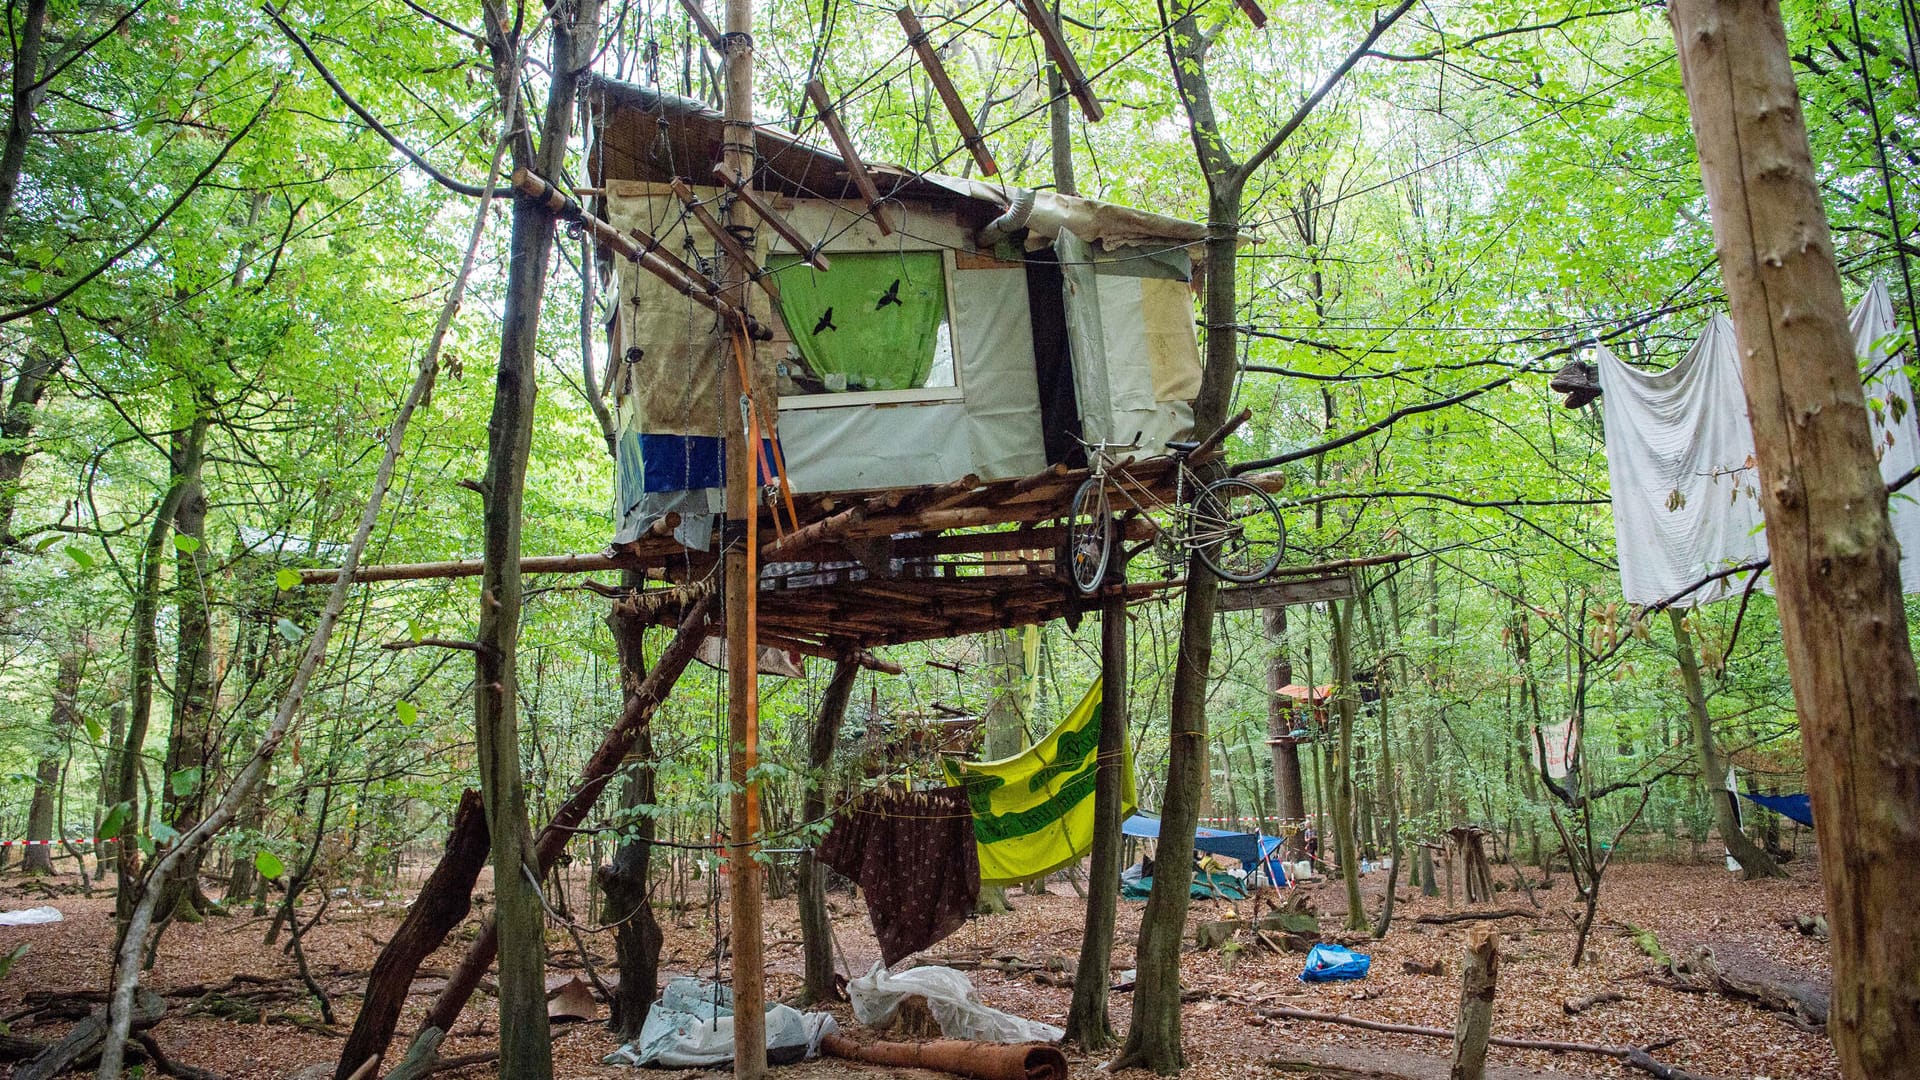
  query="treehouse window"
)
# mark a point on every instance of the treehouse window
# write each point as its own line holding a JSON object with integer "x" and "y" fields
{"x": 875, "y": 325}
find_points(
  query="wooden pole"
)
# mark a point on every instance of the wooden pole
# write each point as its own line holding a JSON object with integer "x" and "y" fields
{"x": 1836, "y": 566}
{"x": 742, "y": 584}
{"x": 856, "y": 169}
{"x": 937, "y": 73}
{"x": 1479, "y": 977}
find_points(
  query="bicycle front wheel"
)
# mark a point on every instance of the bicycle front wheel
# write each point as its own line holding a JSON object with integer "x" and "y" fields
{"x": 1237, "y": 530}
{"x": 1089, "y": 544}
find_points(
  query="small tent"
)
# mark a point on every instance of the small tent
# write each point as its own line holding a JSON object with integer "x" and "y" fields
{"x": 1253, "y": 850}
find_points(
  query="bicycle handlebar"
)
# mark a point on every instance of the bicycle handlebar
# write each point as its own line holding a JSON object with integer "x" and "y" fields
{"x": 1103, "y": 447}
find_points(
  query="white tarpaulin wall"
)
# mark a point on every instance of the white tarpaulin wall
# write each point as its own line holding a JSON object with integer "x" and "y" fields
{"x": 1136, "y": 361}
{"x": 1680, "y": 460}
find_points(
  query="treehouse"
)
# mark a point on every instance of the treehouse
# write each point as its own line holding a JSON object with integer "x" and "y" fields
{"x": 938, "y": 348}
{"x": 962, "y": 329}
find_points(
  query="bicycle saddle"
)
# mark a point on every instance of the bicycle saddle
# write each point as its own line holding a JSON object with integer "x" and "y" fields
{"x": 1179, "y": 447}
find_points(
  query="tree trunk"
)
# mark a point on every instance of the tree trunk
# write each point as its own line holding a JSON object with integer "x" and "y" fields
{"x": 190, "y": 760}
{"x": 26, "y": 98}
{"x": 816, "y": 928}
{"x": 1340, "y": 766}
{"x": 61, "y": 719}
{"x": 1479, "y": 978}
{"x": 1754, "y": 862}
{"x": 16, "y": 427}
{"x": 142, "y": 657}
{"x": 627, "y": 881}
{"x": 1088, "y": 1025}
{"x": 1836, "y": 565}
{"x": 1153, "y": 1038}
{"x": 443, "y": 903}
{"x": 600, "y": 768}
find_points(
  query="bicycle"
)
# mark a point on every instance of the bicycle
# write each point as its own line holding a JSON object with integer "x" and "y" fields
{"x": 1233, "y": 525}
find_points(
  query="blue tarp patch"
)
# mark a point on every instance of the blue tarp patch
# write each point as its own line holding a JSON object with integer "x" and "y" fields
{"x": 1326, "y": 963}
{"x": 1798, "y": 807}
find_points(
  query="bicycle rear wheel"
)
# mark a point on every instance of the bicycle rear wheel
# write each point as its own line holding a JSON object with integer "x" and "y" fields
{"x": 1237, "y": 530}
{"x": 1089, "y": 544}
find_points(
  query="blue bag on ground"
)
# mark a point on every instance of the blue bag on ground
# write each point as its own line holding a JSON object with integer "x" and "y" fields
{"x": 1326, "y": 963}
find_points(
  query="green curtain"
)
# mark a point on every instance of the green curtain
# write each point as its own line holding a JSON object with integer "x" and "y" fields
{"x": 874, "y": 317}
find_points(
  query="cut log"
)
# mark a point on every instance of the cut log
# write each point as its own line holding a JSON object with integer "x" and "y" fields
{"x": 981, "y": 1061}
{"x": 1441, "y": 917}
{"x": 1479, "y": 978}
{"x": 1212, "y": 935}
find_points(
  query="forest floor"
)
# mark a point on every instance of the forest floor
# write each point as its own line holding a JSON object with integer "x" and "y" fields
{"x": 1226, "y": 1035}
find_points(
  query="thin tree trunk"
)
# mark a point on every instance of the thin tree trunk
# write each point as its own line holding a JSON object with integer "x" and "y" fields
{"x": 61, "y": 719}
{"x": 628, "y": 880}
{"x": 1340, "y": 766}
{"x": 1754, "y": 861}
{"x": 141, "y": 660}
{"x": 16, "y": 428}
{"x": 1836, "y": 565}
{"x": 190, "y": 760}
{"x": 1088, "y": 1025}
{"x": 816, "y": 928}
{"x": 26, "y": 98}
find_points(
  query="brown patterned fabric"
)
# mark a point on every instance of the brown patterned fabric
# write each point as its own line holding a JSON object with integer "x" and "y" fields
{"x": 913, "y": 854}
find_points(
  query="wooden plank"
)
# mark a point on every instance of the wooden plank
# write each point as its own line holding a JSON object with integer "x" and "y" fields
{"x": 808, "y": 251}
{"x": 1278, "y": 594}
{"x": 1062, "y": 57}
{"x": 703, "y": 24}
{"x": 728, "y": 242}
{"x": 648, "y": 254}
{"x": 942, "y": 85}
{"x": 856, "y": 169}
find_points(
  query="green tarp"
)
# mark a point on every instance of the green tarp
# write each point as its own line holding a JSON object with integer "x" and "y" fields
{"x": 1206, "y": 886}
{"x": 873, "y": 318}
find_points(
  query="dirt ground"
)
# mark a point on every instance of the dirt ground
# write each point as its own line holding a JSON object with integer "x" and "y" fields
{"x": 1226, "y": 1035}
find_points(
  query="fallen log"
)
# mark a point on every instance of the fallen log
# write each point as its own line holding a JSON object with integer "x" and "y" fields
{"x": 1806, "y": 1006}
{"x": 1440, "y": 917}
{"x": 86, "y": 1037}
{"x": 1636, "y": 1056}
{"x": 1576, "y": 1006}
{"x": 980, "y": 1061}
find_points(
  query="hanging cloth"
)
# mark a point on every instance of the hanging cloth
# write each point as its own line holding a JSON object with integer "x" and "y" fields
{"x": 913, "y": 854}
{"x": 1681, "y": 461}
{"x": 1033, "y": 812}
{"x": 1890, "y": 414}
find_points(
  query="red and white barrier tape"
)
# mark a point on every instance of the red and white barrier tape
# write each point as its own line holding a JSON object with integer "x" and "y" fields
{"x": 51, "y": 843}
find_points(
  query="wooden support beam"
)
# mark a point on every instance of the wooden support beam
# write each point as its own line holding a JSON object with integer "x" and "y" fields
{"x": 703, "y": 24}
{"x": 856, "y": 169}
{"x": 599, "y": 562}
{"x": 942, "y": 85}
{"x": 1287, "y": 593}
{"x": 736, "y": 184}
{"x": 728, "y": 242}
{"x": 1062, "y": 57}
{"x": 647, "y": 252}
{"x": 1254, "y": 12}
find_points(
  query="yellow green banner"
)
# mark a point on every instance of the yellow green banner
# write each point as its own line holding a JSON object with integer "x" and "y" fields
{"x": 1033, "y": 812}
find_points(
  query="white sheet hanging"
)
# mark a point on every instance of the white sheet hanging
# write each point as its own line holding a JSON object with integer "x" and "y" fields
{"x": 1680, "y": 460}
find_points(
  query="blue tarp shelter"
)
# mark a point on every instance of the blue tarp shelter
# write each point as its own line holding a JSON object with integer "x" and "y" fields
{"x": 1251, "y": 849}
{"x": 1798, "y": 807}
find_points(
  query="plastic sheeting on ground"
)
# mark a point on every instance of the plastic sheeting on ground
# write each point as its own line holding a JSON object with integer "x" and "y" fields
{"x": 1326, "y": 963}
{"x": 1680, "y": 459}
{"x": 950, "y": 997}
{"x": 1795, "y": 807}
{"x": 1206, "y": 886}
{"x": 32, "y": 916}
{"x": 692, "y": 1025}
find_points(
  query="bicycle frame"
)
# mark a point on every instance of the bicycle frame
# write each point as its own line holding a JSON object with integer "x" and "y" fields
{"x": 1116, "y": 480}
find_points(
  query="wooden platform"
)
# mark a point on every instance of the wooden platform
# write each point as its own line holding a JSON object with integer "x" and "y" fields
{"x": 871, "y": 569}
